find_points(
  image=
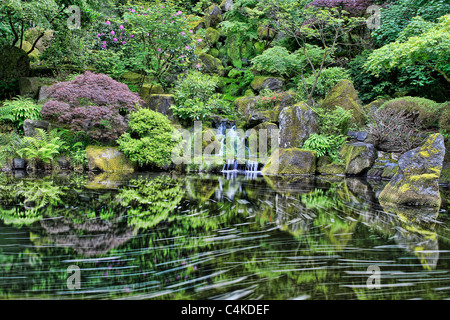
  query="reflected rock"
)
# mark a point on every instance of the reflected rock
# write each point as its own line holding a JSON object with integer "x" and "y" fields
{"x": 415, "y": 232}
{"x": 291, "y": 215}
{"x": 361, "y": 189}
{"x": 106, "y": 180}
{"x": 297, "y": 184}
{"x": 92, "y": 237}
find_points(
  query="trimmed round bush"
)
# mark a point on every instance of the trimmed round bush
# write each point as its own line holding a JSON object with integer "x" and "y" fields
{"x": 426, "y": 111}
{"x": 148, "y": 141}
{"x": 92, "y": 103}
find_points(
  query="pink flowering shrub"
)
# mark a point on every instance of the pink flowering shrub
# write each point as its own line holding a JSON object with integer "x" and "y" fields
{"x": 93, "y": 103}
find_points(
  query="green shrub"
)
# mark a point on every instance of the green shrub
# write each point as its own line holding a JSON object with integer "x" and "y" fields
{"x": 426, "y": 111}
{"x": 329, "y": 77}
{"x": 148, "y": 141}
{"x": 277, "y": 61}
{"x": 334, "y": 123}
{"x": 17, "y": 110}
{"x": 108, "y": 62}
{"x": 195, "y": 85}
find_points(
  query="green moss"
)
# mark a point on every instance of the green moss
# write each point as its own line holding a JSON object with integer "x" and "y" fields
{"x": 150, "y": 89}
{"x": 108, "y": 159}
{"x": 249, "y": 93}
{"x": 332, "y": 169}
{"x": 212, "y": 65}
{"x": 214, "y": 52}
{"x": 427, "y": 111}
{"x": 344, "y": 95}
{"x": 257, "y": 82}
{"x": 212, "y": 35}
{"x": 233, "y": 50}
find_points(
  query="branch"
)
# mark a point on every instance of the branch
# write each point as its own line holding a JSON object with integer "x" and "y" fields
{"x": 35, "y": 42}
{"x": 16, "y": 37}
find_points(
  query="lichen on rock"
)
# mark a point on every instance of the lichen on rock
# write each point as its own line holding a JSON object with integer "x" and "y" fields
{"x": 417, "y": 179}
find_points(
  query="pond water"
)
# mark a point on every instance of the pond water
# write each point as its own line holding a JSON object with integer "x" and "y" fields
{"x": 163, "y": 236}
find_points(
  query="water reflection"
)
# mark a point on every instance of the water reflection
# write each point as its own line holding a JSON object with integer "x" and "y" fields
{"x": 164, "y": 236}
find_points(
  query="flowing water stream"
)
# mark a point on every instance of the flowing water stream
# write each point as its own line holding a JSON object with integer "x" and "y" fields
{"x": 228, "y": 236}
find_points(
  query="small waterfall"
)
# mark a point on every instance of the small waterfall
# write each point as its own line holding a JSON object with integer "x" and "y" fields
{"x": 227, "y": 130}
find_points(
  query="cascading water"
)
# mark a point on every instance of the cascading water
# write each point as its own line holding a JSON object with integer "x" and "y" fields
{"x": 226, "y": 131}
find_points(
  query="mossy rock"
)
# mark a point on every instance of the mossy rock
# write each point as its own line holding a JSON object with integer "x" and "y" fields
{"x": 373, "y": 106}
{"x": 149, "y": 89}
{"x": 245, "y": 105}
{"x": 249, "y": 93}
{"x": 195, "y": 23}
{"x": 426, "y": 111}
{"x": 161, "y": 103}
{"x": 296, "y": 123}
{"x": 417, "y": 179}
{"x": 233, "y": 52}
{"x": 444, "y": 120}
{"x": 358, "y": 157}
{"x": 272, "y": 83}
{"x": 212, "y": 35}
{"x": 226, "y": 5}
{"x": 247, "y": 50}
{"x": 213, "y": 16}
{"x": 269, "y": 126}
{"x": 108, "y": 159}
{"x": 332, "y": 169}
{"x": 344, "y": 95}
{"x": 214, "y": 52}
{"x": 15, "y": 64}
{"x": 211, "y": 65}
{"x": 291, "y": 161}
{"x": 29, "y": 86}
{"x": 134, "y": 77}
{"x": 107, "y": 181}
{"x": 445, "y": 176}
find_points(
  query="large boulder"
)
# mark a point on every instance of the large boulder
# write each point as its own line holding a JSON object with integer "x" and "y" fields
{"x": 211, "y": 65}
{"x": 212, "y": 35}
{"x": 29, "y": 86}
{"x": 161, "y": 103}
{"x": 417, "y": 179}
{"x": 226, "y": 5}
{"x": 291, "y": 161}
{"x": 108, "y": 159}
{"x": 296, "y": 124}
{"x": 29, "y": 126}
{"x": 149, "y": 89}
{"x": 43, "y": 94}
{"x": 260, "y": 83}
{"x": 358, "y": 157}
{"x": 15, "y": 64}
{"x": 213, "y": 16}
{"x": 344, "y": 95}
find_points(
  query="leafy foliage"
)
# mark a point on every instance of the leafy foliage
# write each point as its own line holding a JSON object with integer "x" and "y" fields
{"x": 431, "y": 48}
{"x": 396, "y": 16}
{"x": 325, "y": 145}
{"x": 92, "y": 103}
{"x": 196, "y": 99}
{"x": 17, "y": 110}
{"x": 329, "y": 77}
{"x": 277, "y": 61}
{"x": 42, "y": 148}
{"x": 148, "y": 141}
